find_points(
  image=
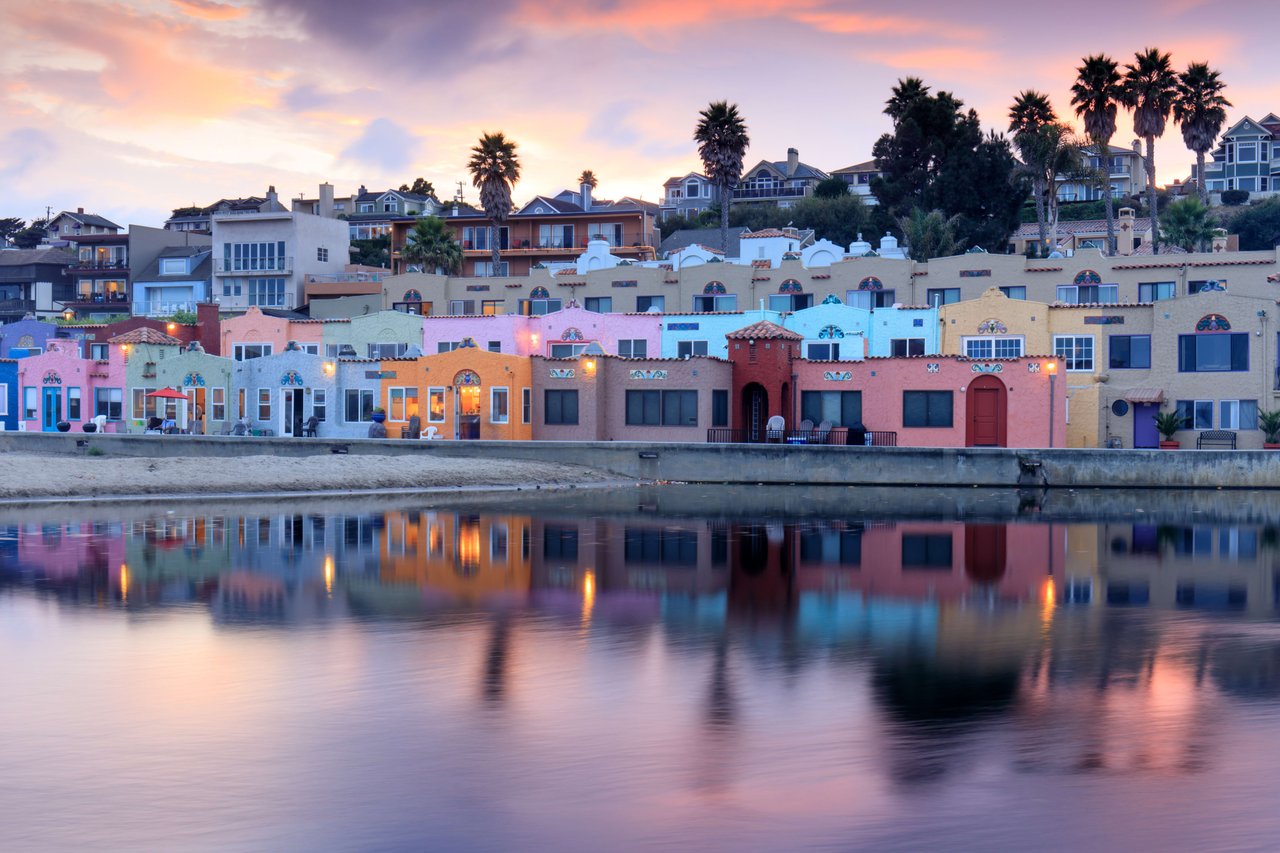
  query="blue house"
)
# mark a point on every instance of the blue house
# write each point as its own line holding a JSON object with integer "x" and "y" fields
{"x": 8, "y": 394}
{"x": 832, "y": 330}
{"x": 22, "y": 338}
{"x": 704, "y": 334}
{"x": 177, "y": 280}
{"x": 904, "y": 331}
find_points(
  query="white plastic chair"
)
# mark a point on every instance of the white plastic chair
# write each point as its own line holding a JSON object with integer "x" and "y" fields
{"x": 429, "y": 433}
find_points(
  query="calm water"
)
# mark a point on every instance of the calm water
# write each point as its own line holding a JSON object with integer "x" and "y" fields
{"x": 680, "y": 668}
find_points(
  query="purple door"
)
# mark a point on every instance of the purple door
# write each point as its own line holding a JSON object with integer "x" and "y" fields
{"x": 1144, "y": 425}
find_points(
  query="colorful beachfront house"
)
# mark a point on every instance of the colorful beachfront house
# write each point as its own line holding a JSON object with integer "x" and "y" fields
{"x": 141, "y": 352}
{"x": 704, "y": 333}
{"x": 604, "y": 398}
{"x": 8, "y": 394}
{"x": 505, "y": 333}
{"x": 385, "y": 334}
{"x": 59, "y": 385}
{"x": 833, "y": 330}
{"x": 568, "y": 332}
{"x": 465, "y": 393}
{"x": 205, "y": 379}
{"x": 254, "y": 334}
{"x": 282, "y": 391}
{"x": 25, "y": 337}
{"x": 462, "y": 558}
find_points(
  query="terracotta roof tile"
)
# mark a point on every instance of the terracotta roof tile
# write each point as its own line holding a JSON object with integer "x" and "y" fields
{"x": 145, "y": 335}
{"x": 764, "y": 330}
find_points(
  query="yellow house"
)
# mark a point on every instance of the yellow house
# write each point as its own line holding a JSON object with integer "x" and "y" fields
{"x": 467, "y": 393}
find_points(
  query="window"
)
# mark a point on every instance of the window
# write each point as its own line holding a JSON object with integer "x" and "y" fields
{"x": 707, "y": 304}
{"x": 365, "y": 207}
{"x": 825, "y": 351}
{"x": 267, "y": 292}
{"x": 402, "y": 403}
{"x": 447, "y": 346}
{"x": 899, "y": 347}
{"x": 231, "y": 287}
{"x": 4, "y": 399}
{"x": 662, "y": 408}
{"x": 387, "y": 350}
{"x": 98, "y": 352}
{"x": 1014, "y": 292}
{"x": 599, "y": 304}
{"x": 567, "y": 350}
{"x": 73, "y": 404}
{"x": 242, "y": 408}
{"x": 870, "y": 299}
{"x": 1010, "y": 347}
{"x": 30, "y": 404}
{"x": 1154, "y": 291}
{"x": 555, "y": 236}
{"x": 1130, "y": 352}
{"x": 1083, "y": 294}
{"x": 560, "y": 407}
{"x": 254, "y": 257}
{"x": 264, "y": 404}
{"x": 684, "y": 349}
{"x": 526, "y": 405}
{"x": 143, "y": 406}
{"x": 109, "y": 402}
{"x": 486, "y": 268}
{"x": 322, "y": 254}
{"x": 839, "y": 408}
{"x": 1213, "y": 352}
{"x": 1247, "y": 152}
{"x": 1238, "y": 414}
{"x": 218, "y": 403}
{"x": 664, "y": 546}
{"x": 359, "y": 408}
{"x": 1076, "y": 351}
{"x": 462, "y": 307}
{"x": 719, "y": 408}
{"x": 651, "y": 303}
{"x": 499, "y": 401}
{"x": 1195, "y": 414}
{"x": 173, "y": 266}
{"x": 785, "y": 302}
{"x": 559, "y": 542}
{"x": 244, "y": 352}
{"x": 936, "y": 296}
{"x": 494, "y": 346}
{"x": 633, "y": 348}
{"x": 435, "y": 405}
{"x": 493, "y": 308}
{"x": 538, "y": 307}
{"x": 926, "y": 550}
{"x": 926, "y": 408}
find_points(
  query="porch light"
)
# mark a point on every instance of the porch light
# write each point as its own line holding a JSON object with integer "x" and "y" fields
{"x": 534, "y": 338}
{"x": 591, "y": 364}
{"x": 173, "y": 327}
{"x": 68, "y": 315}
{"x": 1051, "y": 368}
{"x": 329, "y": 367}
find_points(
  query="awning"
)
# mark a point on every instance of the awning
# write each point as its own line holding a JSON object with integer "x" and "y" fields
{"x": 1144, "y": 395}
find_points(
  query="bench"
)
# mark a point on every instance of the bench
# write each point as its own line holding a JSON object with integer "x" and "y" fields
{"x": 1224, "y": 438}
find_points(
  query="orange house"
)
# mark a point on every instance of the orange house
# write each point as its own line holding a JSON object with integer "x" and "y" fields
{"x": 468, "y": 393}
{"x": 457, "y": 558}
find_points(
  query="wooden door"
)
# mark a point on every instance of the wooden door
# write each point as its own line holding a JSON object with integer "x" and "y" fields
{"x": 987, "y": 413}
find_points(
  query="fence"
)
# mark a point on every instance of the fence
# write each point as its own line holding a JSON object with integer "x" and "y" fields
{"x": 833, "y": 436}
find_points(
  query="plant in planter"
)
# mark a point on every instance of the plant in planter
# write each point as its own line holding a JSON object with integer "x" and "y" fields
{"x": 1269, "y": 423}
{"x": 379, "y": 415}
{"x": 1167, "y": 424}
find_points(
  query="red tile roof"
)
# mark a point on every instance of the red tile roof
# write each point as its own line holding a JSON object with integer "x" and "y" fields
{"x": 146, "y": 335}
{"x": 765, "y": 330}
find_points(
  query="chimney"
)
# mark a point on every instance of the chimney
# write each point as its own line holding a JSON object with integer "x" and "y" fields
{"x": 79, "y": 210}
{"x": 586, "y": 196}
{"x": 793, "y": 161}
{"x": 208, "y": 329}
{"x": 271, "y": 193}
{"x": 1126, "y": 231}
{"x": 326, "y": 200}
{"x": 1137, "y": 147}
{"x": 363, "y": 189}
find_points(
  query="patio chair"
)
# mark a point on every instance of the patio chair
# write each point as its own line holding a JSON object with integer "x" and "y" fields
{"x": 414, "y": 429}
{"x": 430, "y": 434}
{"x": 241, "y": 427}
{"x": 153, "y": 426}
{"x": 310, "y": 427}
{"x": 774, "y": 429}
{"x": 821, "y": 435}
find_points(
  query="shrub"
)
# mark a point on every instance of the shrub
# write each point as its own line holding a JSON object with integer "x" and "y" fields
{"x": 1235, "y": 198}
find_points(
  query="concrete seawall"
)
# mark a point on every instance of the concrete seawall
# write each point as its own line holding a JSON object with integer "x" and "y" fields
{"x": 740, "y": 463}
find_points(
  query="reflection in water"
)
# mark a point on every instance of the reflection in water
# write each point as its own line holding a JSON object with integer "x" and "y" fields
{"x": 782, "y": 665}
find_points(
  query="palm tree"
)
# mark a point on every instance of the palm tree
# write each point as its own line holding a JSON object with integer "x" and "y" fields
{"x": 431, "y": 244}
{"x": 722, "y": 140}
{"x": 1200, "y": 111}
{"x": 906, "y": 93}
{"x": 1096, "y": 96}
{"x": 929, "y": 235}
{"x": 1149, "y": 90}
{"x": 1030, "y": 113}
{"x": 495, "y": 168}
{"x": 588, "y": 177}
{"x": 1187, "y": 224}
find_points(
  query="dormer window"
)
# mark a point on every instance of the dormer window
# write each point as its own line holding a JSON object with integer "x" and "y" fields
{"x": 173, "y": 266}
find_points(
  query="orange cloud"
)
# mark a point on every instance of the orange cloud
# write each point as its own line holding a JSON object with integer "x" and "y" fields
{"x": 855, "y": 23}
{"x": 209, "y": 10}
{"x": 949, "y": 59}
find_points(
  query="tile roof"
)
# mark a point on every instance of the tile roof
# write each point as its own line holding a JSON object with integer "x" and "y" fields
{"x": 1145, "y": 248}
{"x": 1144, "y": 395}
{"x": 45, "y": 255}
{"x": 764, "y": 330}
{"x": 1091, "y": 227}
{"x": 768, "y": 232}
{"x": 145, "y": 335}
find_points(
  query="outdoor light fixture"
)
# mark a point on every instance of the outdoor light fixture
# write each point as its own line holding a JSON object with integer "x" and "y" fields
{"x": 173, "y": 327}
{"x": 328, "y": 367}
{"x": 1051, "y": 367}
{"x": 591, "y": 365}
{"x": 68, "y": 315}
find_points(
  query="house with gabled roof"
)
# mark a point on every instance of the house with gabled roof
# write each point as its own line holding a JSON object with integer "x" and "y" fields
{"x": 781, "y": 182}
{"x": 688, "y": 195}
{"x": 68, "y": 224}
{"x": 1247, "y": 158}
{"x": 859, "y": 177}
{"x": 369, "y": 213}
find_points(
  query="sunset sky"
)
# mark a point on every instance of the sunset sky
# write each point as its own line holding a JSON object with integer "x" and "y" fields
{"x": 131, "y": 108}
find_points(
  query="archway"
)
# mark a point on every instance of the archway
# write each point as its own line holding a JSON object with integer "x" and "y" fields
{"x": 755, "y": 411}
{"x": 987, "y": 405}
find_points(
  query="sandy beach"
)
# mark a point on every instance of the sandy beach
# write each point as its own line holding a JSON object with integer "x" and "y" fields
{"x": 40, "y": 476}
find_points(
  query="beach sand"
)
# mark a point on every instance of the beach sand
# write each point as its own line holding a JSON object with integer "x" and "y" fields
{"x": 38, "y": 476}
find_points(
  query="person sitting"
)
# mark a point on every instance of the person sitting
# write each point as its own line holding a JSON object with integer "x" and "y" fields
{"x": 153, "y": 425}
{"x": 241, "y": 427}
{"x": 169, "y": 426}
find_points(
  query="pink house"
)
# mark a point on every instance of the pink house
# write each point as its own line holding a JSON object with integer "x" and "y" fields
{"x": 505, "y": 333}
{"x": 568, "y": 332}
{"x": 60, "y": 386}
{"x": 254, "y": 334}
{"x": 63, "y": 551}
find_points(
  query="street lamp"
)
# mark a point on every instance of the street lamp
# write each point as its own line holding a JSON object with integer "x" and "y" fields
{"x": 1052, "y": 367}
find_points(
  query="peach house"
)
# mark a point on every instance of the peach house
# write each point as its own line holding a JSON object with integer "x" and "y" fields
{"x": 254, "y": 334}
{"x": 58, "y": 385}
{"x": 467, "y": 393}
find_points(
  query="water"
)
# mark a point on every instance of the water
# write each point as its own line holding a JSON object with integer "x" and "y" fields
{"x": 679, "y": 668}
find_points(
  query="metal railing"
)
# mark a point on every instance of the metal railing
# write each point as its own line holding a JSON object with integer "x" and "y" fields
{"x": 162, "y": 309}
{"x": 95, "y": 264}
{"x": 770, "y": 192}
{"x": 832, "y": 436}
{"x": 222, "y": 266}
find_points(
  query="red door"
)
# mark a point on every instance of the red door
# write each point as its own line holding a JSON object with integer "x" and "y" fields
{"x": 987, "y": 413}
{"x": 984, "y": 552}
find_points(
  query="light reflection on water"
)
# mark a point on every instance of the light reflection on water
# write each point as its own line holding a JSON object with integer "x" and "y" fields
{"x": 614, "y": 675}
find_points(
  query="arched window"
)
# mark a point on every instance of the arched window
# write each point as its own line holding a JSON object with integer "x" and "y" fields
{"x": 790, "y": 286}
{"x": 714, "y": 288}
{"x": 1087, "y": 277}
{"x": 1213, "y": 323}
{"x": 539, "y": 293}
{"x": 871, "y": 283}
{"x": 412, "y": 295}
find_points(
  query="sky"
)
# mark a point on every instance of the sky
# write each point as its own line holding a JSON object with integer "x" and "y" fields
{"x": 129, "y": 108}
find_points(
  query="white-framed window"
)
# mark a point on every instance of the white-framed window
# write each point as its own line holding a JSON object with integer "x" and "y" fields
{"x": 704, "y": 304}
{"x": 387, "y": 350}
{"x": 322, "y": 254}
{"x": 486, "y": 268}
{"x": 264, "y": 405}
{"x": 526, "y": 405}
{"x": 1085, "y": 294}
{"x": 994, "y": 347}
{"x": 1238, "y": 414}
{"x": 633, "y": 348}
{"x": 218, "y": 404}
{"x": 109, "y": 402}
{"x": 320, "y": 404}
{"x": 365, "y": 207}
{"x": 825, "y": 351}
{"x": 499, "y": 405}
{"x": 684, "y": 349}
{"x": 244, "y": 352}
{"x": 266, "y": 292}
{"x": 173, "y": 266}
{"x": 314, "y": 349}
{"x": 1195, "y": 414}
{"x": 447, "y": 346}
{"x": 435, "y": 405}
{"x": 73, "y": 404}
{"x": 567, "y": 350}
{"x": 1076, "y": 351}
{"x": 402, "y": 403}
{"x": 30, "y": 404}
{"x": 359, "y": 405}
{"x": 462, "y": 307}
{"x": 254, "y": 257}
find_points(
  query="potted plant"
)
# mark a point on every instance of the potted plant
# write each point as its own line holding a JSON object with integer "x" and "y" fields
{"x": 379, "y": 415}
{"x": 1168, "y": 423}
{"x": 1269, "y": 423}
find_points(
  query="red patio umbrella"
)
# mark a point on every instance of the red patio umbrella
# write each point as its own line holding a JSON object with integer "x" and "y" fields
{"x": 168, "y": 394}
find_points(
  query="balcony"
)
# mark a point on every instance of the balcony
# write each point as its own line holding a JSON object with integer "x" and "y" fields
{"x": 750, "y": 193}
{"x": 156, "y": 308}
{"x": 117, "y": 298}
{"x": 17, "y": 307}
{"x": 257, "y": 266}
{"x": 99, "y": 264}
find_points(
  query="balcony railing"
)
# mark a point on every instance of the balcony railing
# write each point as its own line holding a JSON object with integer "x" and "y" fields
{"x": 96, "y": 264}
{"x": 769, "y": 192}
{"x": 156, "y": 308}
{"x": 833, "y": 436}
{"x": 100, "y": 298}
{"x": 222, "y": 266}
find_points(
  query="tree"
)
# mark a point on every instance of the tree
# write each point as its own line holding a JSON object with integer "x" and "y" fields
{"x": 420, "y": 186}
{"x": 1096, "y": 96}
{"x": 1030, "y": 114}
{"x": 588, "y": 177}
{"x": 831, "y": 188}
{"x": 32, "y": 235}
{"x": 1200, "y": 112}
{"x": 495, "y": 168}
{"x": 1258, "y": 226}
{"x": 1149, "y": 90}
{"x": 839, "y": 219}
{"x": 722, "y": 140}
{"x": 1187, "y": 224}
{"x": 1057, "y": 153}
{"x": 374, "y": 252}
{"x": 928, "y": 235}
{"x": 9, "y": 226}
{"x": 432, "y": 244}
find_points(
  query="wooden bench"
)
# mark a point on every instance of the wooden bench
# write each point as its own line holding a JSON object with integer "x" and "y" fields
{"x": 1224, "y": 438}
